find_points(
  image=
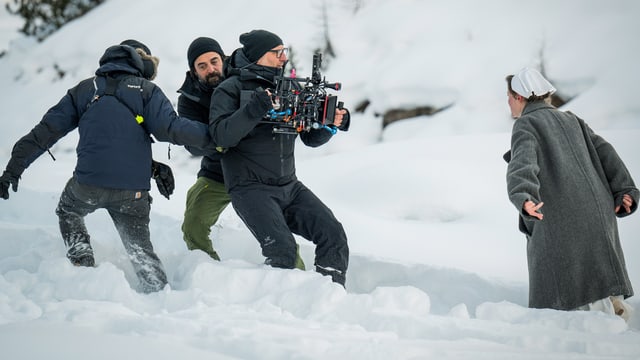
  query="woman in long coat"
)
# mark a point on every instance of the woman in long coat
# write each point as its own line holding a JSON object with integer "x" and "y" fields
{"x": 573, "y": 249}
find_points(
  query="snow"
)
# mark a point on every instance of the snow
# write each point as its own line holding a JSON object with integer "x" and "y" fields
{"x": 437, "y": 267}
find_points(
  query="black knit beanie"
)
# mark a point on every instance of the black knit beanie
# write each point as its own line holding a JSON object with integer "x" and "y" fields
{"x": 136, "y": 45}
{"x": 258, "y": 42}
{"x": 200, "y": 46}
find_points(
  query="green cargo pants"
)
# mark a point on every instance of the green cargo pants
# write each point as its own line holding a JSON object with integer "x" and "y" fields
{"x": 206, "y": 200}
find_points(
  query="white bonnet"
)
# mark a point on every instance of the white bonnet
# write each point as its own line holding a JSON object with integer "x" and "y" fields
{"x": 529, "y": 82}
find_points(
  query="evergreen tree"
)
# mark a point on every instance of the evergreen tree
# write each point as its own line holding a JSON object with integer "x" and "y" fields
{"x": 44, "y": 17}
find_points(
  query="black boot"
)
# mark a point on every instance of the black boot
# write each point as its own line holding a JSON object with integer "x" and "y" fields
{"x": 81, "y": 254}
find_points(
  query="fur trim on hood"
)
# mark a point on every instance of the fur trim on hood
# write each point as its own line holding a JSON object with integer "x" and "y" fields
{"x": 150, "y": 63}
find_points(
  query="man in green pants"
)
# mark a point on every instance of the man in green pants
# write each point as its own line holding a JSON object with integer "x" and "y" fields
{"x": 207, "y": 198}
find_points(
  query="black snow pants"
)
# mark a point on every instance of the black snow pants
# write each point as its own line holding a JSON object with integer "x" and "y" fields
{"x": 129, "y": 211}
{"x": 273, "y": 213}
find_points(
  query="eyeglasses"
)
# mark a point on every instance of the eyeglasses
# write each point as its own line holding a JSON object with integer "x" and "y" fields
{"x": 279, "y": 52}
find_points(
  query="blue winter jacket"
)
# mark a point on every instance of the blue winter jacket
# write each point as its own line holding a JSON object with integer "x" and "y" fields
{"x": 114, "y": 147}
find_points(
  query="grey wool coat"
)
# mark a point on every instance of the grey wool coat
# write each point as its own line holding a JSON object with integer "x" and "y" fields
{"x": 574, "y": 254}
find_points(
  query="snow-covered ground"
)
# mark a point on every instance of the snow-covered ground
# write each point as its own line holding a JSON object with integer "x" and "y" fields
{"x": 437, "y": 268}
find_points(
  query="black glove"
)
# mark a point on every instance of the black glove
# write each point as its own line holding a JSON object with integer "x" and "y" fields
{"x": 259, "y": 103}
{"x": 164, "y": 178}
{"x": 346, "y": 120}
{"x": 8, "y": 178}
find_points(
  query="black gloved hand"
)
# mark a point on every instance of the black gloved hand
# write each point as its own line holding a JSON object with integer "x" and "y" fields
{"x": 164, "y": 178}
{"x": 259, "y": 103}
{"x": 8, "y": 178}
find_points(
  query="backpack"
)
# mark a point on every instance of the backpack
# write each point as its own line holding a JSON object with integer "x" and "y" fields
{"x": 112, "y": 85}
{"x": 114, "y": 145}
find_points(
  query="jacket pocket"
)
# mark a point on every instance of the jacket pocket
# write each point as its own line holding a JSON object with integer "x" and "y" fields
{"x": 525, "y": 227}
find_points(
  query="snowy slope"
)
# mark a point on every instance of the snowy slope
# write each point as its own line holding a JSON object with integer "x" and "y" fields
{"x": 437, "y": 268}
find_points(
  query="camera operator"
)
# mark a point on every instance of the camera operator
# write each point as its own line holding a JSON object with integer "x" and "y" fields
{"x": 207, "y": 198}
{"x": 259, "y": 166}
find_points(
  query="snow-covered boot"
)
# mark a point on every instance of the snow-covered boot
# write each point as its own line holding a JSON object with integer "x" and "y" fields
{"x": 621, "y": 308}
{"x": 81, "y": 254}
{"x": 337, "y": 276}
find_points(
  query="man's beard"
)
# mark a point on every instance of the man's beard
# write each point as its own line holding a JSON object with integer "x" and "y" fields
{"x": 213, "y": 79}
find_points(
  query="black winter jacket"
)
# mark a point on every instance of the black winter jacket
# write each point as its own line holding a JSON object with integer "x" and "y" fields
{"x": 193, "y": 103}
{"x": 254, "y": 153}
{"x": 114, "y": 150}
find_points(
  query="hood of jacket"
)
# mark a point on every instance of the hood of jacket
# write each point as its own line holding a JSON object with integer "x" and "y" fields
{"x": 120, "y": 58}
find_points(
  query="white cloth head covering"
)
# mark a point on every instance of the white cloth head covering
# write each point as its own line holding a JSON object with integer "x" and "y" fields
{"x": 529, "y": 82}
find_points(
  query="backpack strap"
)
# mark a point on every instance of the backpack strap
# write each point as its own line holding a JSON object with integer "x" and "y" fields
{"x": 112, "y": 86}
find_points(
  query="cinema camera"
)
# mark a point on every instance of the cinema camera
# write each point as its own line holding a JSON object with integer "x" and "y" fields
{"x": 302, "y": 104}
